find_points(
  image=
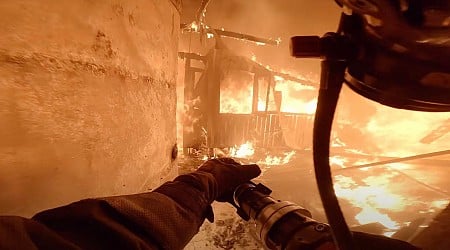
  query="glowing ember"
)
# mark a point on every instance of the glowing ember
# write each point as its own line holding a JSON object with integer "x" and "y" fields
{"x": 194, "y": 26}
{"x": 243, "y": 151}
{"x": 278, "y": 40}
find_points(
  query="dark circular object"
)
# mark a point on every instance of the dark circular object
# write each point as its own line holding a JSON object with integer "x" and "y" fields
{"x": 174, "y": 154}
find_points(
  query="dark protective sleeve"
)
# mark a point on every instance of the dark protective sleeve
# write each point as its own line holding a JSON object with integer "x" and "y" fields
{"x": 166, "y": 218}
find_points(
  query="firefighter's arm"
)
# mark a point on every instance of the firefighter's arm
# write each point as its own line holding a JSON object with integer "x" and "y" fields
{"x": 166, "y": 218}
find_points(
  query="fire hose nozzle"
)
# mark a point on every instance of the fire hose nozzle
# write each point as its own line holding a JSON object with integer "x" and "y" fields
{"x": 279, "y": 224}
{"x": 331, "y": 45}
{"x": 305, "y": 47}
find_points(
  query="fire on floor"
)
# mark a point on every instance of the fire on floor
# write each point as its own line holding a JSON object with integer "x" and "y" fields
{"x": 399, "y": 200}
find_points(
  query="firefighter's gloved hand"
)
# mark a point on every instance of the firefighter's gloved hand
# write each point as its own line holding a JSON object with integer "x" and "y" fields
{"x": 228, "y": 175}
{"x": 214, "y": 180}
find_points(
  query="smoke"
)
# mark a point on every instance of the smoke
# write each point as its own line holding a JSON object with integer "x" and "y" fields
{"x": 270, "y": 19}
{"x": 363, "y": 124}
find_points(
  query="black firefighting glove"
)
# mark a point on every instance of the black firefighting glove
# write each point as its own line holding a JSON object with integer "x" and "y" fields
{"x": 215, "y": 179}
{"x": 228, "y": 174}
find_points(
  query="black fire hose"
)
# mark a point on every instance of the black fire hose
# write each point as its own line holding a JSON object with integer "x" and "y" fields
{"x": 332, "y": 78}
{"x": 335, "y": 50}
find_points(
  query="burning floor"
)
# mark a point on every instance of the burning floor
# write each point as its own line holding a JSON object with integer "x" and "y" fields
{"x": 398, "y": 200}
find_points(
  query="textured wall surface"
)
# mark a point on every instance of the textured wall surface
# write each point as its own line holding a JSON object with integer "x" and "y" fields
{"x": 87, "y": 99}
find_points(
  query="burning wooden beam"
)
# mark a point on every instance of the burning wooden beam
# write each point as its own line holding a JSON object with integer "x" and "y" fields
{"x": 202, "y": 10}
{"x": 295, "y": 79}
{"x": 193, "y": 27}
{"x": 241, "y": 36}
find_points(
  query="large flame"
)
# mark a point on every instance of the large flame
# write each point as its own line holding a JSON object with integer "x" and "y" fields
{"x": 236, "y": 93}
{"x": 236, "y": 96}
{"x": 380, "y": 195}
{"x": 292, "y": 99}
{"x": 371, "y": 198}
{"x": 389, "y": 131}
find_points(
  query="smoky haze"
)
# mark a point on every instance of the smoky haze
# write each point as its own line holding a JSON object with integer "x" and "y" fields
{"x": 370, "y": 122}
{"x": 270, "y": 19}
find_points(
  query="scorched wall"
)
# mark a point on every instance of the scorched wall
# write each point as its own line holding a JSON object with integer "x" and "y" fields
{"x": 87, "y": 99}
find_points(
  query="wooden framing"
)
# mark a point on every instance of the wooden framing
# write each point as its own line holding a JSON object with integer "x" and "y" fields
{"x": 222, "y": 130}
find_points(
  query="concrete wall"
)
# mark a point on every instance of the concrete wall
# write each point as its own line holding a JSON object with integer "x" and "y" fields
{"x": 87, "y": 99}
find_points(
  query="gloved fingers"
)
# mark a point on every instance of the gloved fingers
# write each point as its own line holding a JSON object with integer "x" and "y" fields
{"x": 227, "y": 161}
{"x": 210, "y": 164}
{"x": 244, "y": 172}
{"x": 237, "y": 175}
{"x": 248, "y": 172}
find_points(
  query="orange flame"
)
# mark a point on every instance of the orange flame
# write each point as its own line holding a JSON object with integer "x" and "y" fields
{"x": 244, "y": 151}
{"x": 396, "y": 133}
{"x": 370, "y": 199}
{"x": 277, "y": 160}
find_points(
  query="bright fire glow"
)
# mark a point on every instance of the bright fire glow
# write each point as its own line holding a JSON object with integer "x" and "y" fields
{"x": 371, "y": 198}
{"x": 236, "y": 95}
{"x": 371, "y": 215}
{"x": 338, "y": 161}
{"x": 194, "y": 26}
{"x": 240, "y": 101}
{"x": 396, "y": 132}
{"x": 277, "y": 160}
{"x": 336, "y": 142}
{"x": 439, "y": 204}
{"x": 300, "y": 107}
{"x": 247, "y": 150}
{"x": 243, "y": 151}
{"x": 293, "y": 96}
